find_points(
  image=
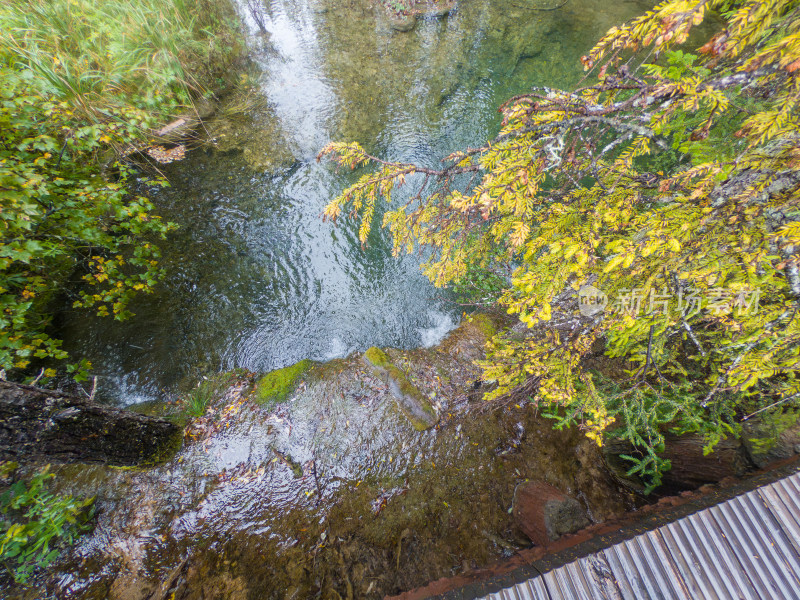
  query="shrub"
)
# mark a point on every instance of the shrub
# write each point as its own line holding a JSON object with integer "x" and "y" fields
{"x": 58, "y": 216}
{"x": 35, "y": 525}
{"x": 667, "y": 187}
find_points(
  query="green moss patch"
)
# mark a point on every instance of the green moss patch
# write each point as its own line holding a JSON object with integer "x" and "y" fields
{"x": 276, "y": 385}
{"x": 485, "y": 323}
{"x": 410, "y": 400}
{"x": 377, "y": 357}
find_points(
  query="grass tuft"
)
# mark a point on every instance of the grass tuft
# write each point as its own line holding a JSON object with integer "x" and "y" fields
{"x": 154, "y": 55}
{"x": 198, "y": 399}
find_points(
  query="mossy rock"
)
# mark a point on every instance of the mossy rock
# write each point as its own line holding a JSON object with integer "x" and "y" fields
{"x": 402, "y": 23}
{"x": 195, "y": 401}
{"x": 410, "y": 400}
{"x": 276, "y": 385}
{"x": 377, "y": 357}
{"x": 166, "y": 451}
{"x": 484, "y": 323}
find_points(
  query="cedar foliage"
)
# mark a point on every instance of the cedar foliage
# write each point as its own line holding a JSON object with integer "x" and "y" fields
{"x": 670, "y": 184}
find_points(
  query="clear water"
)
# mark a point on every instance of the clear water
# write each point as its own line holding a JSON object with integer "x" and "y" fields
{"x": 255, "y": 278}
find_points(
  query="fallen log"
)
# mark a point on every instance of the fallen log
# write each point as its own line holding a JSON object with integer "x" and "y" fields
{"x": 46, "y": 425}
{"x": 690, "y": 467}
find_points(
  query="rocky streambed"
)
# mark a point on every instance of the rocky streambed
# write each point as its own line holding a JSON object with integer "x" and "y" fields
{"x": 313, "y": 482}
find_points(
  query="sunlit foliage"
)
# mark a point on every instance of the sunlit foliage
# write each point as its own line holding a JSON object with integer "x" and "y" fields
{"x": 670, "y": 185}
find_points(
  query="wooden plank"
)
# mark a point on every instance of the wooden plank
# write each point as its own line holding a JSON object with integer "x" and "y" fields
{"x": 786, "y": 513}
{"x": 689, "y": 564}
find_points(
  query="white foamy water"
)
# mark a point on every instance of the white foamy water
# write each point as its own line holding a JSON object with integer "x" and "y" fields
{"x": 338, "y": 349}
{"x": 441, "y": 325}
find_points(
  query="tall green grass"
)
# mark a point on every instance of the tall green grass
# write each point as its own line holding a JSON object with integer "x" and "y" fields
{"x": 154, "y": 55}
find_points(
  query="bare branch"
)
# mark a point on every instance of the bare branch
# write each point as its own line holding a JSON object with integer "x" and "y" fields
{"x": 773, "y": 405}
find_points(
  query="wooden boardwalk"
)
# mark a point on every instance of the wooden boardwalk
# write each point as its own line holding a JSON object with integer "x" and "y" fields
{"x": 745, "y": 548}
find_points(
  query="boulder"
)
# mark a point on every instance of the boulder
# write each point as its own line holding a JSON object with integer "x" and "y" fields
{"x": 767, "y": 442}
{"x": 402, "y": 22}
{"x": 544, "y": 513}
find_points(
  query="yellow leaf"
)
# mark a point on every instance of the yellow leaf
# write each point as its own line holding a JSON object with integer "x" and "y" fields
{"x": 613, "y": 263}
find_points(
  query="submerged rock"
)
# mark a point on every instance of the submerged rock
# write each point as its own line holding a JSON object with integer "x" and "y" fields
{"x": 405, "y": 21}
{"x": 402, "y": 22}
{"x": 434, "y": 9}
{"x": 260, "y": 138}
{"x": 544, "y": 513}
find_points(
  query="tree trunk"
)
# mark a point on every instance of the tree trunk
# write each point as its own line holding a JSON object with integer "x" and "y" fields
{"x": 690, "y": 467}
{"x": 37, "y": 424}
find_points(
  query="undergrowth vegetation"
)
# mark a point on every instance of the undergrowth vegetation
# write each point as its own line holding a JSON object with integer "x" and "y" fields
{"x": 154, "y": 55}
{"x": 58, "y": 215}
{"x": 35, "y": 524}
{"x": 82, "y": 83}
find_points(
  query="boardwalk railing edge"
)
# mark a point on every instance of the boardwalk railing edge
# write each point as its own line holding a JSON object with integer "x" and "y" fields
{"x": 633, "y": 526}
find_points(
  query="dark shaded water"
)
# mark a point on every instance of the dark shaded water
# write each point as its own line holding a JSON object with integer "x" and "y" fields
{"x": 255, "y": 278}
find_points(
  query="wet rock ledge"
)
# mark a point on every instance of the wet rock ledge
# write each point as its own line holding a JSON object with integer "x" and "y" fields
{"x": 354, "y": 478}
{"x": 410, "y": 400}
{"x": 360, "y": 477}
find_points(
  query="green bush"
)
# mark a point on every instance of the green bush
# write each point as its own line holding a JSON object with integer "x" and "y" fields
{"x": 481, "y": 285}
{"x": 82, "y": 84}
{"x": 35, "y": 525}
{"x": 59, "y": 216}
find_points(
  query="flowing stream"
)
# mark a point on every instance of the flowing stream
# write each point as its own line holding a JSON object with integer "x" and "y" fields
{"x": 255, "y": 279}
{"x": 330, "y": 493}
